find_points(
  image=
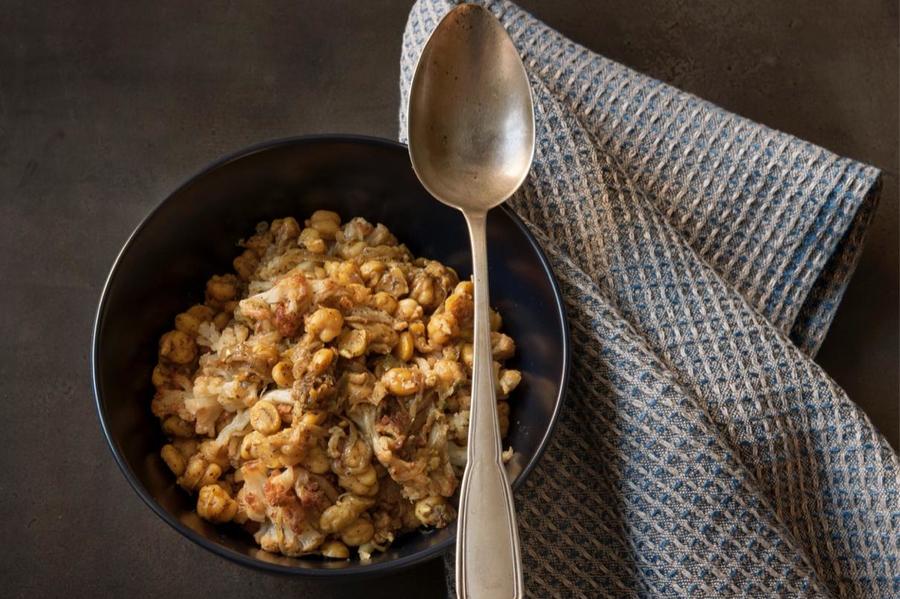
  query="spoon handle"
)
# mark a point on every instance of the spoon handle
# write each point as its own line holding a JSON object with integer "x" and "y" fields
{"x": 488, "y": 565}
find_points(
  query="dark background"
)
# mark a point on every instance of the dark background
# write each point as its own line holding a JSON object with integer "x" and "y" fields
{"x": 105, "y": 107}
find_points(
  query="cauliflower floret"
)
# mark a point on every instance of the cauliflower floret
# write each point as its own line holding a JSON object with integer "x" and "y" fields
{"x": 315, "y": 492}
{"x": 229, "y": 339}
{"x": 236, "y": 428}
{"x": 203, "y": 405}
{"x": 279, "y": 488}
{"x": 458, "y": 426}
{"x": 169, "y": 402}
{"x": 285, "y": 532}
{"x": 282, "y": 306}
{"x": 236, "y": 395}
{"x": 507, "y": 381}
{"x": 208, "y": 335}
{"x": 502, "y": 346}
{"x": 278, "y": 396}
{"x": 252, "y": 496}
{"x": 429, "y": 472}
{"x": 457, "y": 455}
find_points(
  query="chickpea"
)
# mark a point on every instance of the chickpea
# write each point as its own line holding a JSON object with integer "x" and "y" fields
{"x": 321, "y": 361}
{"x": 271, "y": 456}
{"x": 464, "y": 288}
{"x": 347, "y": 273}
{"x": 222, "y": 288}
{"x": 212, "y": 452}
{"x": 173, "y": 459}
{"x": 353, "y": 343}
{"x": 326, "y": 222}
{"x": 282, "y": 375}
{"x": 402, "y": 381}
{"x": 187, "y": 323}
{"x": 358, "y": 293}
{"x": 442, "y": 328}
{"x": 286, "y": 413}
{"x": 285, "y": 229}
{"x": 496, "y": 320}
{"x": 364, "y": 483}
{"x": 159, "y": 377}
{"x": 265, "y": 352}
{"x": 384, "y": 301}
{"x": 467, "y": 354}
{"x": 264, "y": 418}
{"x": 325, "y": 323}
{"x": 361, "y": 531}
{"x": 314, "y": 417}
{"x": 409, "y": 309}
{"x": 461, "y": 305}
{"x": 245, "y": 264}
{"x": 448, "y": 372}
{"x": 312, "y": 240}
{"x": 354, "y": 249}
{"x": 417, "y": 330}
{"x": 193, "y": 473}
{"x": 201, "y": 312}
{"x": 249, "y": 445}
{"x": 177, "y": 347}
{"x": 371, "y": 272}
{"x": 404, "y": 348}
{"x": 316, "y": 461}
{"x": 344, "y": 512}
{"x": 502, "y": 346}
{"x": 508, "y": 381}
{"x": 335, "y": 550}
{"x": 215, "y": 504}
{"x": 222, "y": 319}
{"x": 210, "y": 475}
{"x": 186, "y": 447}
{"x": 325, "y": 215}
{"x": 174, "y": 426}
{"x": 423, "y": 291}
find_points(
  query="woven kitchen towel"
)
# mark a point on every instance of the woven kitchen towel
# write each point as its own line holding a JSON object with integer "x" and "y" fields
{"x": 701, "y": 451}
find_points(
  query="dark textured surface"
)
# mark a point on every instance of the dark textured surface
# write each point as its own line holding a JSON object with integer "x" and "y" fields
{"x": 105, "y": 109}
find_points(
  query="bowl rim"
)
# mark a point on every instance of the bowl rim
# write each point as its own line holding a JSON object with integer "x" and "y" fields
{"x": 355, "y": 570}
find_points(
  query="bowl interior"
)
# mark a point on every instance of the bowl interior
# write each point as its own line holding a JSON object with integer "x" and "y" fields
{"x": 193, "y": 234}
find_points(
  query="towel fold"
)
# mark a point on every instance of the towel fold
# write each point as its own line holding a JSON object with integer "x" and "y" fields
{"x": 701, "y": 451}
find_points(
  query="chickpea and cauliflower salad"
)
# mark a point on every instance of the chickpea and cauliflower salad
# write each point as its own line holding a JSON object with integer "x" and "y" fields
{"x": 319, "y": 397}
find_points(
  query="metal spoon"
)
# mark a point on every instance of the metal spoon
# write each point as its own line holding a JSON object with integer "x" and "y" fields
{"x": 471, "y": 141}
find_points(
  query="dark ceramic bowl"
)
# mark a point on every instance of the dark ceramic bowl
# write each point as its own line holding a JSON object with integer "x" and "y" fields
{"x": 192, "y": 234}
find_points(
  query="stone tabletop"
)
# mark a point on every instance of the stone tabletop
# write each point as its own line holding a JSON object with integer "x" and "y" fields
{"x": 105, "y": 107}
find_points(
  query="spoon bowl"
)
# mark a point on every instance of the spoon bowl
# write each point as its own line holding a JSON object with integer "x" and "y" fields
{"x": 471, "y": 118}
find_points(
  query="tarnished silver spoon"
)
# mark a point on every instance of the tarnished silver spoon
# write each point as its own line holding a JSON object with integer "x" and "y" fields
{"x": 471, "y": 141}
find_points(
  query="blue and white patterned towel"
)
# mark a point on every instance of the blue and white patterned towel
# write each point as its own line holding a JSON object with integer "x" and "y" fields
{"x": 701, "y": 451}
